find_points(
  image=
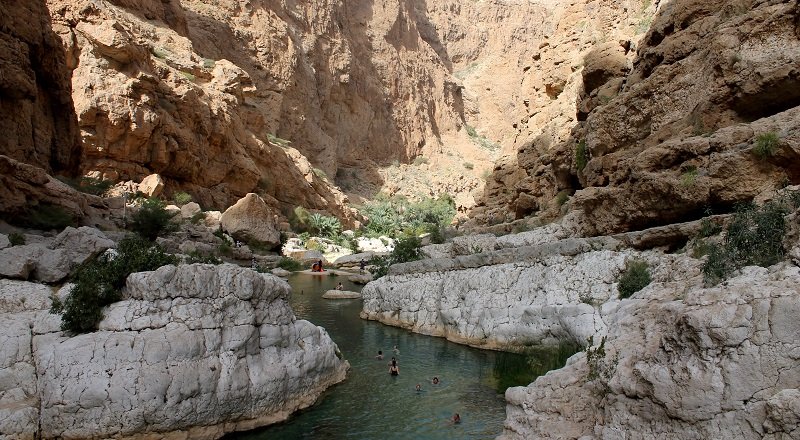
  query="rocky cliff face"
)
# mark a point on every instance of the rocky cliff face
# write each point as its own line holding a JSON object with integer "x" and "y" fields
{"x": 194, "y": 351}
{"x": 225, "y": 98}
{"x": 685, "y": 362}
{"x": 514, "y": 291}
{"x": 673, "y": 132}
{"x": 38, "y": 124}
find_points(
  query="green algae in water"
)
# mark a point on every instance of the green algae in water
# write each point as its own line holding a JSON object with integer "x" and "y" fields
{"x": 512, "y": 369}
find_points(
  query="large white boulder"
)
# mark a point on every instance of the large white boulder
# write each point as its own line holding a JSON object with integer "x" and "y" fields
{"x": 251, "y": 220}
{"x": 51, "y": 263}
{"x": 194, "y": 351}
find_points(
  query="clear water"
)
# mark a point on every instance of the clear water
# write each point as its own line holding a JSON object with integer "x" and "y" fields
{"x": 371, "y": 404}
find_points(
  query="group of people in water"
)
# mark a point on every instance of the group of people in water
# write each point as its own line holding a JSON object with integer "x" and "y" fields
{"x": 394, "y": 370}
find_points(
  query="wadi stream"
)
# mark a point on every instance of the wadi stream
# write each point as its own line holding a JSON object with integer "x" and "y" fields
{"x": 372, "y": 404}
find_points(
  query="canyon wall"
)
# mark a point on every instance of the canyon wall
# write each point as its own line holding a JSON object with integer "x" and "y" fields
{"x": 675, "y": 132}
{"x": 38, "y": 124}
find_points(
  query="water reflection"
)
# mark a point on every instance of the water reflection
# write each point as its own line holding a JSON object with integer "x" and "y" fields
{"x": 371, "y": 404}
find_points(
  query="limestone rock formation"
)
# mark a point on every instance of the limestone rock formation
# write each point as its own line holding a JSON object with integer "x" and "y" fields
{"x": 690, "y": 361}
{"x": 53, "y": 262}
{"x": 251, "y": 220}
{"x": 193, "y": 351}
{"x": 513, "y": 297}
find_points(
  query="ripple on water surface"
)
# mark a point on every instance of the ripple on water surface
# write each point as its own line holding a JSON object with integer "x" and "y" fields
{"x": 371, "y": 404}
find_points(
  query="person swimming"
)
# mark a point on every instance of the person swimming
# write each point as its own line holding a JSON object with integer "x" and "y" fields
{"x": 435, "y": 380}
{"x": 394, "y": 370}
{"x": 396, "y": 350}
{"x": 456, "y": 418}
{"x": 418, "y": 388}
{"x": 380, "y": 355}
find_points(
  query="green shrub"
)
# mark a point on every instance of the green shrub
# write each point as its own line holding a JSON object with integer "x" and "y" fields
{"x": 219, "y": 233}
{"x": 562, "y": 197}
{"x": 278, "y": 141}
{"x": 181, "y": 198}
{"x": 208, "y": 63}
{"x": 151, "y": 220}
{"x": 766, "y": 145}
{"x": 88, "y": 185}
{"x": 754, "y": 237}
{"x": 635, "y": 278}
{"x": 581, "y": 155}
{"x": 298, "y": 219}
{"x": 16, "y": 239}
{"x": 198, "y": 257}
{"x": 389, "y": 216}
{"x": 324, "y": 226}
{"x": 689, "y": 176}
{"x": 47, "y": 217}
{"x": 290, "y": 264}
{"x": 197, "y": 217}
{"x": 225, "y": 249}
{"x": 406, "y": 248}
{"x": 709, "y": 228}
{"x": 469, "y": 165}
{"x": 419, "y": 160}
{"x": 98, "y": 282}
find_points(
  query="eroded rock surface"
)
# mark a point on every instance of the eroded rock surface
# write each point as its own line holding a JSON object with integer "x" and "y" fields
{"x": 193, "y": 350}
{"x": 691, "y": 362}
{"x": 514, "y": 297}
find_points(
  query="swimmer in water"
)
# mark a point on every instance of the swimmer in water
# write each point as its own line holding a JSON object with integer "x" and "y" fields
{"x": 435, "y": 380}
{"x": 396, "y": 350}
{"x": 394, "y": 370}
{"x": 419, "y": 387}
{"x": 380, "y": 355}
{"x": 456, "y": 418}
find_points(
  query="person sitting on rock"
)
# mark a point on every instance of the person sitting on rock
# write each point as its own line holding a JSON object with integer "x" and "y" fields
{"x": 339, "y": 286}
{"x": 362, "y": 265}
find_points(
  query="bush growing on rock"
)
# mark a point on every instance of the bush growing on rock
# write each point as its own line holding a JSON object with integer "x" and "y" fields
{"x": 581, "y": 155}
{"x": 198, "y": 257}
{"x": 635, "y": 278}
{"x": 47, "y": 217}
{"x": 99, "y": 281}
{"x": 766, "y": 145}
{"x": 181, "y": 198}
{"x": 16, "y": 239}
{"x": 754, "y": 237}
{"x": 407, "y": 248}
{"x": 290, "y": 264}
{"x": 151, "y": 220}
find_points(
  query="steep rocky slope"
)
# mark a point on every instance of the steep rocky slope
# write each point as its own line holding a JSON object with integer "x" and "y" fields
{"x": 194, "y": 351}
{"x": 38, "y": 124}
{"x": 675, "y": 134}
